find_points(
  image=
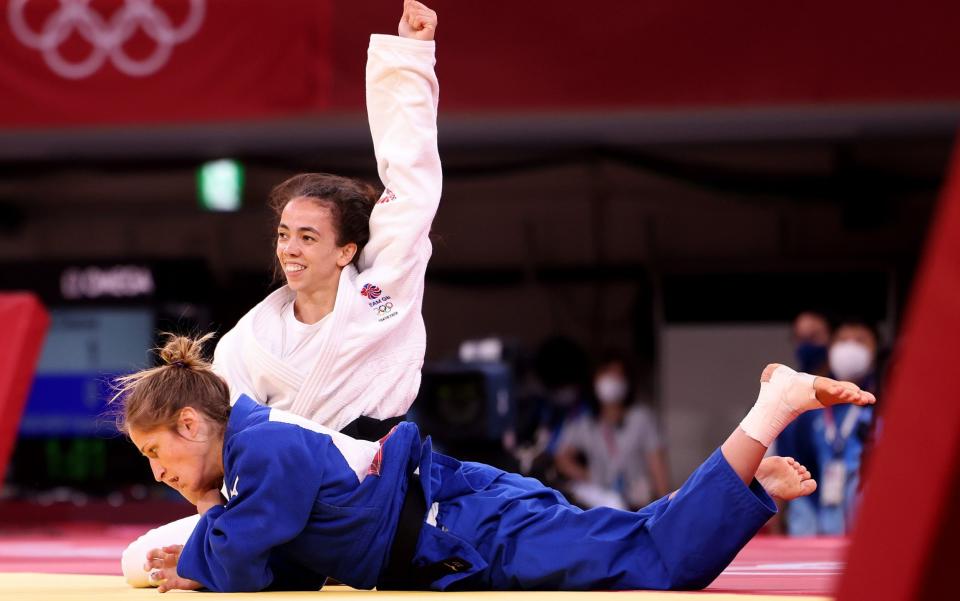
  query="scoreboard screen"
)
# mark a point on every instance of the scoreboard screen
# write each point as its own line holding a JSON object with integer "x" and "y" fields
{"x": 84, "y": 349}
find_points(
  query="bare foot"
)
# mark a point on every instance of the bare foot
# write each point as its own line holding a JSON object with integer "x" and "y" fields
{"x": 827, "y": 391}
{"x": 785, "y": 478}
{"x": 831, "y": 392}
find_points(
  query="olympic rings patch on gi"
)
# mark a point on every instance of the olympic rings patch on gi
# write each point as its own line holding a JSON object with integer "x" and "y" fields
{"x": 106, "y": 36}
{"x": 385, "y": 308}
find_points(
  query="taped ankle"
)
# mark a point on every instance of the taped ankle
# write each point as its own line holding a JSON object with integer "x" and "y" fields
{"x": 780, "y": 401}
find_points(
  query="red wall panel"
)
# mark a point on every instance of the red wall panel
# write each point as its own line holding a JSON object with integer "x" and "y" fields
{"x": 23, "y": 322}
{"x": 907, "y": 531}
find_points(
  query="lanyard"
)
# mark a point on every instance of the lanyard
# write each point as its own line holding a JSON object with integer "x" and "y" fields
{"x": 830, "y": 428}
{"x": 610, "y": 438}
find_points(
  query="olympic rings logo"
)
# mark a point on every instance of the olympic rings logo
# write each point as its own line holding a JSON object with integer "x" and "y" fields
{"x": 385, "y": 308}
{"x": 106, "y": 36}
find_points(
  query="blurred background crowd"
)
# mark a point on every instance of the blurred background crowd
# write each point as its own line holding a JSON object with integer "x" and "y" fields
{"x": 621, "y": 247}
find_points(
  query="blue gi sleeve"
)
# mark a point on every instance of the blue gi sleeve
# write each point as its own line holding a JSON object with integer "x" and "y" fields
{"x": 273, "y": 482}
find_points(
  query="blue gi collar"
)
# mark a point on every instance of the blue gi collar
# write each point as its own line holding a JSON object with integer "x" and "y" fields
{"x": 244, "y": 413}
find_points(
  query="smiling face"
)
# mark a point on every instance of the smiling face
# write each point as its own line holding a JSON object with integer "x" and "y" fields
{"x": 187, "y": 458}
{"x": 307, "y": 247}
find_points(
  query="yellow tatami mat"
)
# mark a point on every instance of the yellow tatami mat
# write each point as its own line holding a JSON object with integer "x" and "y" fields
{"x": 57, "y": 587}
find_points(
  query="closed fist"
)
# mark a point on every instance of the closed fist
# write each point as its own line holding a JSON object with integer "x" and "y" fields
{"x": 418, "y": 22}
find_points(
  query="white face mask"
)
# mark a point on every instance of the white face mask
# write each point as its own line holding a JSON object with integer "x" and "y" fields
{"x": 610, "y": 389}
{"x": 850, "y": 360}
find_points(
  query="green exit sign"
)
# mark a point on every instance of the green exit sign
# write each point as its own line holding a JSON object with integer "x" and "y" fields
{"x": 220, "y": 185}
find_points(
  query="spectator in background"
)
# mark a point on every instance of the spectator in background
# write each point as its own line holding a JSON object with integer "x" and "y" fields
{"x": 830, "y": 442}
{"x": 560, "y": 393}
{"x": 619, "y": 440}
{"x": 811, "y": 340}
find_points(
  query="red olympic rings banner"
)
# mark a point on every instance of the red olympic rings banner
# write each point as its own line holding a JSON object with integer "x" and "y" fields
{"x": 117, "y": 61}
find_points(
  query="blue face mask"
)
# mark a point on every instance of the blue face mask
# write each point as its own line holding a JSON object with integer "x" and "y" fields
{"x": 811, "y": 357}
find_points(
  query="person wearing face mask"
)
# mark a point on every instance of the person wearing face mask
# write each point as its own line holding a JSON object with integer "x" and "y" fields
{"x": 625, "y": 466}
{"x": 811, "y": 340}
{"x": 836, "y": 436}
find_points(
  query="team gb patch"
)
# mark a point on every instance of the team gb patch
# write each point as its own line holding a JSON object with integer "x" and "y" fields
{"x": 381, "y": 303}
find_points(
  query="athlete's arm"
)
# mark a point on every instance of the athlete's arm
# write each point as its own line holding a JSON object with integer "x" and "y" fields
{"x": 402, "y": 97}
{"x": 274, "y": 481}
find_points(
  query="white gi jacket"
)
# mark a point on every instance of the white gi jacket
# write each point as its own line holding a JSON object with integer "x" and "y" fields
{"x": 370, "y": 360}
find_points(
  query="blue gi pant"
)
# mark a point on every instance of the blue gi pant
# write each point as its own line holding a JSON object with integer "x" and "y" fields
{"x": 518, "y": 534}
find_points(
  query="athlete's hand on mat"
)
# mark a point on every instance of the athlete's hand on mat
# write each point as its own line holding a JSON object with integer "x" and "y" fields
{"x": 418, "y": 21}
{"x": 162, "y": 566}
{"x": 208, "y": 500}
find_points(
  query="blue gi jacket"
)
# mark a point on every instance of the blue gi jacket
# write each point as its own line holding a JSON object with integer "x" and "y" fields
{"x": 297, "y": 511}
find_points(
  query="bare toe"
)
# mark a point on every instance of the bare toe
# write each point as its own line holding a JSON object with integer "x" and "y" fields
{"x": 831, "y": 392}
{"x": 783, "y": 477}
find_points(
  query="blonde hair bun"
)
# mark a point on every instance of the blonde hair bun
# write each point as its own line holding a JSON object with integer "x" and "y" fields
{"x": 153, "y": 397}
{"x": 181, "y": 351}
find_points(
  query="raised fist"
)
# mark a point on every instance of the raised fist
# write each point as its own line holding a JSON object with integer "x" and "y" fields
{"x": 418, "y": 21}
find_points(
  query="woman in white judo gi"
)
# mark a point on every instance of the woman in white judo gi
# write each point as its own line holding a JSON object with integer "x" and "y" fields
{"x": 306, "y": 502}
{"x": 343, "y": 342}
{"x": 345, "y": 337}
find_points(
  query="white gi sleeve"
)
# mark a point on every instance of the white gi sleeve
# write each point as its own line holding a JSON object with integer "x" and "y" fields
{"x": 402, "y": 97}
{"x": 229, "y": 365}
{"x": 135, "y": 555}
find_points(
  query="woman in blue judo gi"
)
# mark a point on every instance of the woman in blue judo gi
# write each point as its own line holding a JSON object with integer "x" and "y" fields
{"x": 305, "y": 502}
